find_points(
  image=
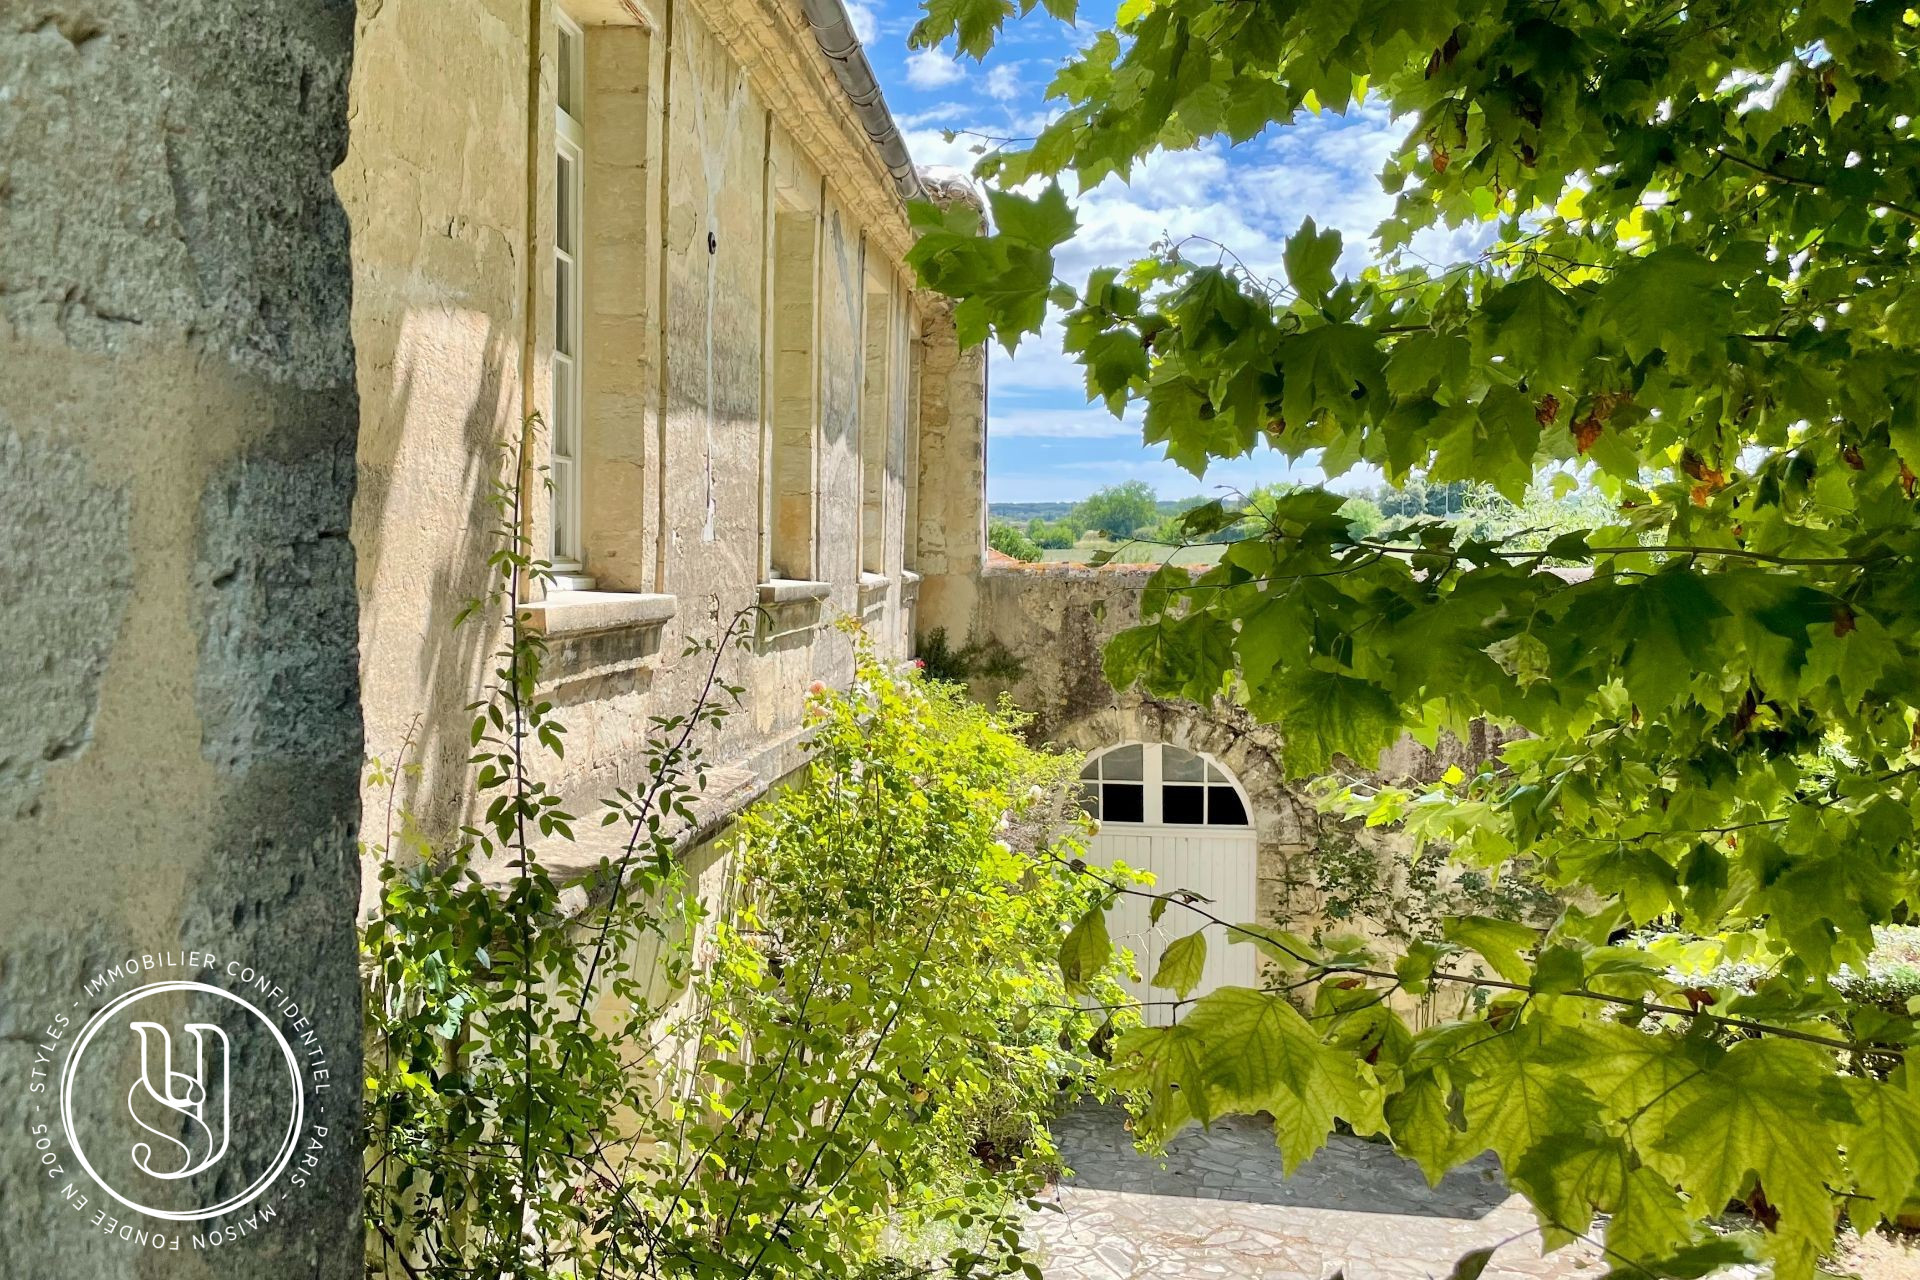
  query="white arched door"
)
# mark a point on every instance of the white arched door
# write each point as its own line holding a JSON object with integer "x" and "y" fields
{"x": 1181, "y": 816}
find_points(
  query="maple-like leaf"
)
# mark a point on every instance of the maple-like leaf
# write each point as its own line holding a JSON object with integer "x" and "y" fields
{"x": 1240, "y": 1051}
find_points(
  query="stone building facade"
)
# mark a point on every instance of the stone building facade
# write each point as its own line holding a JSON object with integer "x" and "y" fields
{"x": 665, "y": 227}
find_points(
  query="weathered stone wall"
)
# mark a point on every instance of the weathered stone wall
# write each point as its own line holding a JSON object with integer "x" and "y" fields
{"x": 179, "y": 729}
{"x": 951, "y": 513}
{"x": 703, "y": 120}
{"x": 1051, "y": 623}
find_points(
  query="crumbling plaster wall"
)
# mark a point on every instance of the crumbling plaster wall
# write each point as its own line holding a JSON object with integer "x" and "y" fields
{"x": 721, "y": 104}
{"x": 1052, "y": 621}
{"x": 180, "y": 731}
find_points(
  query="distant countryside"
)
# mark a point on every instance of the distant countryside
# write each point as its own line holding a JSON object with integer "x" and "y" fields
{"x": 1132, "y": 524}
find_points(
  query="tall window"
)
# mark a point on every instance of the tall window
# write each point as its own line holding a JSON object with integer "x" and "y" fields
{"x": 910, "y": 555}
{"x": 792, "y": 428}
{"x": 874, "y": 427}
{"x": 563, "y": 432}
{"x": 1158, "y": 783}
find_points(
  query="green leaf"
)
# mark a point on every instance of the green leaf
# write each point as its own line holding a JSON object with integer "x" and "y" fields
{"x": 1044, "y": 221}
{"x": 1664, "y": 629}
{"x": 1572, "y": 1176}
{"x": 1087, "y": 948}
{"x": 1288, "y": 950}
{"x": 1500, "y": 942}
{"x": 1326, "y": 714}
{"x": 1469, "y": 1265}
{"x": 1240, "y": 1051}
{"x": 1883, "y": 1147}
{"x": 1525, "y": 1088}
{"x": 1310, "y": 256}
{"x": 1182, "y": 963}
{"x": 1693, "y": 1262}
{"x": 1769, "y": 1110}
{"x": 1325, "y": 369}
{"x": 1669, "y": 300}
{"x": 1531, "y": 323}
{"x": 1493, "y": 441}
{"x": 1420, "y": 1120}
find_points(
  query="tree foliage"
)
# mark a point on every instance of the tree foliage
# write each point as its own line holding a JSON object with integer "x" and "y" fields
{"x": 1010, "y": 539}
{"x": 1699, "y": 291}
{"x": 1119, "y": 510}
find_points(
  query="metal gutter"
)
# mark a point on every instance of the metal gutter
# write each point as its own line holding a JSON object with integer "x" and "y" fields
{"x": 833, "y": 31}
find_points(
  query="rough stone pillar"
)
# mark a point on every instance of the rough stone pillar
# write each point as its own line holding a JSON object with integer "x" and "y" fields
{"x": 953, "y": 459}
{"x": 179, "y": 718}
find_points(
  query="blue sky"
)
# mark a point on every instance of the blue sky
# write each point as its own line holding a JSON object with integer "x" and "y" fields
{"x": 1044, "y": 441}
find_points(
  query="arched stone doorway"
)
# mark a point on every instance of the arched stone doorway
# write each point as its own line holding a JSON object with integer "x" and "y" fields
{"x": 1183, "y": 816}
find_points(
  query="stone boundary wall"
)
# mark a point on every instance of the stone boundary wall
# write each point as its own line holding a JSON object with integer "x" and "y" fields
{"x": 1036, "y": 631}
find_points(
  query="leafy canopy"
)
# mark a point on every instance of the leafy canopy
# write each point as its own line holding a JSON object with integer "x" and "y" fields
{"x": 1698, "y": 293}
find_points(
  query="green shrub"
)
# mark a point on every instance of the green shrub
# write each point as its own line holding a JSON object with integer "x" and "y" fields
{"x": 1008, "y": 539}
{"x": 901, "y": 914}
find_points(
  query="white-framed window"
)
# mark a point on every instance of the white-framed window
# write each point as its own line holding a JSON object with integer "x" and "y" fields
{"x": 563, "y": 433}
{"x": 792, "y": 399}
{"x": 1159, "y": 784}
{"x": 875, "y": 422}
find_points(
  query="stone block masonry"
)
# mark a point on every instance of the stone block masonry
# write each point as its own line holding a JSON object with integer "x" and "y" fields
{"x": 180, "y": 725}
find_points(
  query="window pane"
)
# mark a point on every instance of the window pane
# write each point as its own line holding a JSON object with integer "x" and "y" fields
{"x": 563, "y": 306}
{"x": 1185, "y": 805}
{"x": 1092, "y": 770}
{"x": 562, "y": 428}
{"x": 1214, "y": 774}
{"x": 565, "y": 55}
{"x": 1123, "y": 802}
{"x": 563, "y": 518}
{"x": 563, "y": 202}
{"x": 1122, "y": 763}
{"x": 1177, "y": 765}
{"x": 1090, "y": 800}
{"x": 1224, "y": 808}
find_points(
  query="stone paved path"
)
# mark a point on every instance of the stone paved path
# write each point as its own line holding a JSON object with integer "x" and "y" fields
{"x": 1217, "y": 1208}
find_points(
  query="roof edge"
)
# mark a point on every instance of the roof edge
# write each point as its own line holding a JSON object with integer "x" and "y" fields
{"x": 833, "y": 31}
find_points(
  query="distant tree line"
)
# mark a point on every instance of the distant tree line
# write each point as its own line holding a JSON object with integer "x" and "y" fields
{"x": 1134, "y": 512}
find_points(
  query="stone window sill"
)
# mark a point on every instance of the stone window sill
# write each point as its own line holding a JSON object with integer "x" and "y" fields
{"x": 909, "y": 585}
{"x": 779, "y": 591}
{"x": 576, "y": 612}
{"x": 874, "y": 588}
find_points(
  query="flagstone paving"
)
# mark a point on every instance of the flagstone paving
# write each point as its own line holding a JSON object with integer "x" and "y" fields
{"x": 1217, "y": 1208}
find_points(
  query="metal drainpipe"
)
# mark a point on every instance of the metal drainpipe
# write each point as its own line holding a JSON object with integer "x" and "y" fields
{"x": 834, "y": 32}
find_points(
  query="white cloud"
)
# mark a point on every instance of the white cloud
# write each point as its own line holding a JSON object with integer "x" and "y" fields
{"x": 1052, "y": 480}
{"x": 1038, "y": 369}
{"x": 933, "y": 69}
{"x": 938, "y": 114}
{"x": 1250, "y": 198}
{"x": 931, "y": 147}
{"x": 1062, "y": 424}
{"x": 865, "y": 25}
